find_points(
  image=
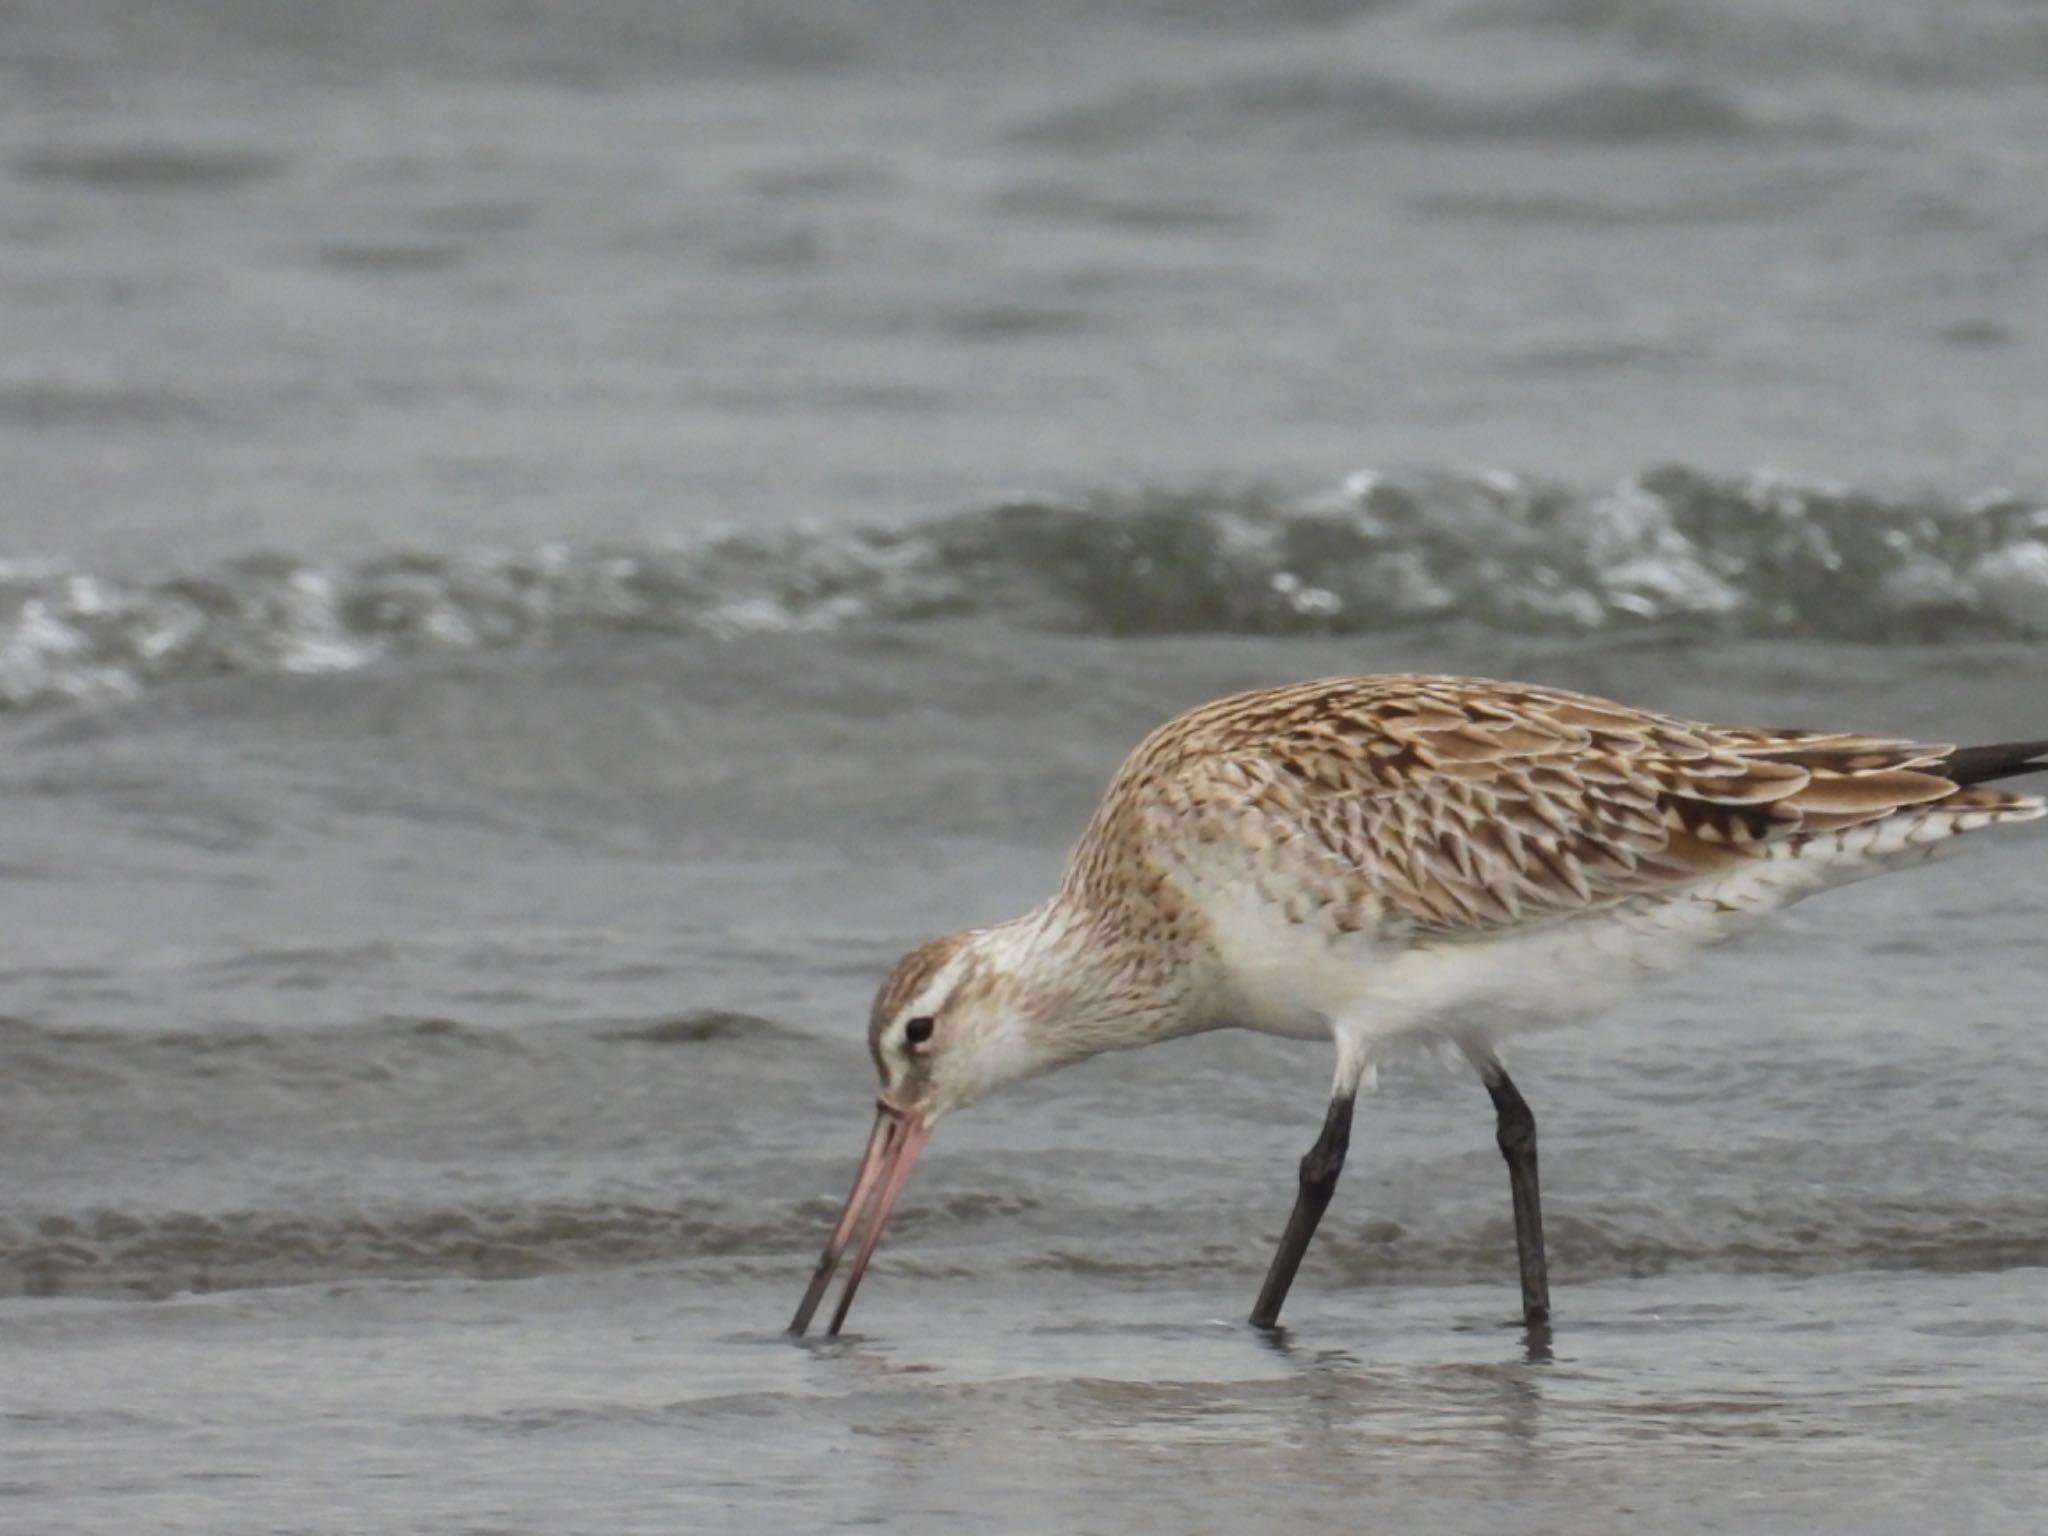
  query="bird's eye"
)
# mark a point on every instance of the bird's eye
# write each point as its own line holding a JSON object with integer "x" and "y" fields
{"x": 918, "y": 1030}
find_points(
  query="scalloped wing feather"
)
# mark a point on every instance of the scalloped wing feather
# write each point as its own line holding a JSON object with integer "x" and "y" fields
{"x": 1461, "y": 808}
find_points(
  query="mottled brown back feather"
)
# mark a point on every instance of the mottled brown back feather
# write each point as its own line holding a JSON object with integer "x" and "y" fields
{"x": 1458, "y": 807}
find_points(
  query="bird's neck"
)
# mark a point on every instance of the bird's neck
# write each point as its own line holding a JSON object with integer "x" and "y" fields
{"x": 1089, "y": 980}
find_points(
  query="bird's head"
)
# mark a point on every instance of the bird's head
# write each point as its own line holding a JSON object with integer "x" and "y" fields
{"x": 956, "y": 1018}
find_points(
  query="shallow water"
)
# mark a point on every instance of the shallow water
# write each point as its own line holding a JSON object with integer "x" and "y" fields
{"x": 456, "y": 1129}
{"x": 531, "y": 551}
{"x": 1878, "y": 1403}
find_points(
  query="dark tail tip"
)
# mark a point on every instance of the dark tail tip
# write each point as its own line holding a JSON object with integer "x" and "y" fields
{"x": 1976, "y": 765}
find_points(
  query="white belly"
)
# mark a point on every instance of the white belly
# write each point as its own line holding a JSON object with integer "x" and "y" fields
{"x": 1306, "y": 982}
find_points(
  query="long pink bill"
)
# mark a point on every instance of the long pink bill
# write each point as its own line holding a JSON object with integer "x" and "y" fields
{"x": 885, "y": 1167}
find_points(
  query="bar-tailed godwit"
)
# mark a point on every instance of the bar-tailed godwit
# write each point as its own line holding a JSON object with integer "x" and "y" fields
{"x": 1370, "y": 860}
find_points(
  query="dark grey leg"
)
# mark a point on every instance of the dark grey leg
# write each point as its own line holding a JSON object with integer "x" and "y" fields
{"x": 1516, "y": 1132}
{"x": 1319, "y": 1170}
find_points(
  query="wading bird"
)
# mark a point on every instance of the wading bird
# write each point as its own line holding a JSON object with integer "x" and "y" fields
{"x": 1371, "y": 860}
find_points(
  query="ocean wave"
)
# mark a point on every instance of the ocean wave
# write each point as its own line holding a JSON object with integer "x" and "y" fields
{"x": 112, "y": 1251}
{"x": 60, "y": 1065}
{"x": 1322, "y": 105}
{"x": 1976, "y": 43}
{"x": 1669, "y": 549}
{"x": 1794, "y": 1238}
{"x": 107, "y": 1251}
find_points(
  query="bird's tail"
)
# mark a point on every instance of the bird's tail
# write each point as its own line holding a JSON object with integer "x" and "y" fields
{"x": 1978, "y": 765}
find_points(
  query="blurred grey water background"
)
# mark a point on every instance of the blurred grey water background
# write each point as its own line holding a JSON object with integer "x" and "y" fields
{"x": 532, "y": 538}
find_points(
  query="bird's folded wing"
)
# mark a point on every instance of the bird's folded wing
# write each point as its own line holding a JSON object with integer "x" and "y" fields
{"x": 1448, "y": 808}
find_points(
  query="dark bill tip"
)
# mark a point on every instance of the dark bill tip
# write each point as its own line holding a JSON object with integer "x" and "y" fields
{"x": 893, "y": 1146}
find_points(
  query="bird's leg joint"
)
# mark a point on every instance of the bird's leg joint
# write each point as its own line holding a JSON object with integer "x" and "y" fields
{"x": 1516, "y": 1134}
{"x": 1321, "y": 1164}
{"x": 1515, "y": 1127}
